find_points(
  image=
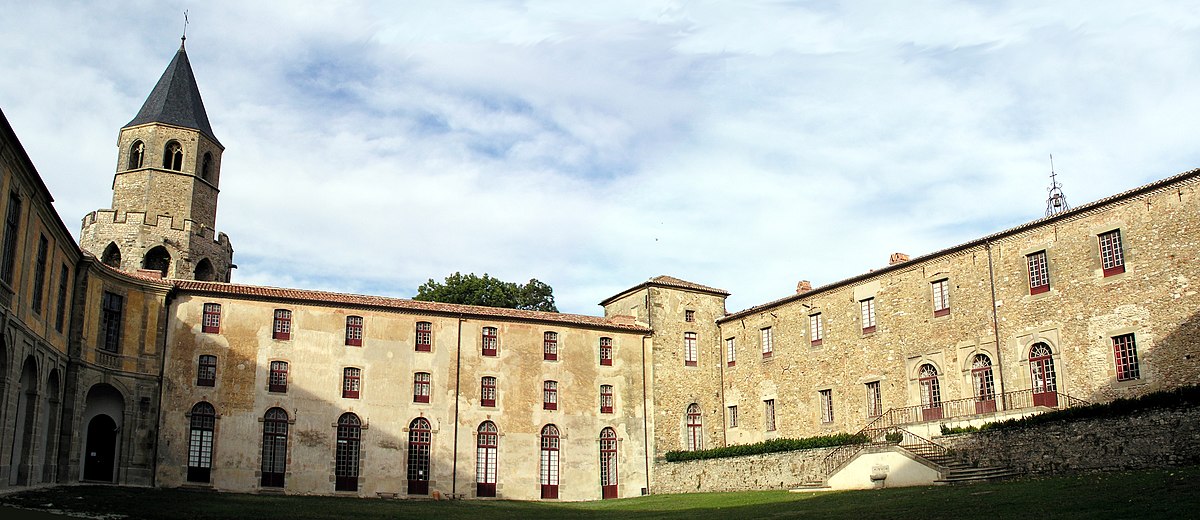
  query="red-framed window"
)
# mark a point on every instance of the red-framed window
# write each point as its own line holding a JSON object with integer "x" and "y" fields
{"x": 487, "y": 391}
{"x": 351, "y": 382}
{"x": 490, "y": 342}
{"x": 768, "y": 349}
{"x": 421, "y": 383}
{"x": 346, "y": 465}
{"x": 278, "y": 380}
{"x": 550, "y": 395}
{"x": 212, "y": 318}
{"x": 1039, "y": 275}
{"x": 111, "y": 311}
{"x": 874, "y": 399}
{"x": 206, "y": 370}
{"x": 1112, "y": 258}
{"x": 984, "y": 383}
{"x": 689, "y": 316}
{"x": 731, "y": 355}
{"x": 816, "y": 329}
{"x": 733, "y": 416}
{"x": 550, "y": 346}
{"x": 549, "y": 466}
{"x": 608, "y": 463}
{"x": 689, "y": 349}
{"x": 941, "y": 297}
{"x": 283, "y": 324}
{"x": 420, "y": 438}
{"x": 695, "y": 429}
{"x": 826, "y": 405}
{"x": 1126, "y": 357}
{"x": 274, "y": 448}
{"x": 1043, "y": 376}
{"x": 486, "y": 444}
{"x": 867, "y": 310}
{"x": 606, "y": 399}
{"x": 354, "y": 331}
{"x": 424, "y": 336}
{"x": 200, "y": 442}
{"x": 769, "y": 414}
{"x": 931, "y": 392}
{"x": 606, "y": 351}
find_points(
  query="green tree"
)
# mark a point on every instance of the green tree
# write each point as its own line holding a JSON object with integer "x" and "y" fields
{"x": 469, "y": 289}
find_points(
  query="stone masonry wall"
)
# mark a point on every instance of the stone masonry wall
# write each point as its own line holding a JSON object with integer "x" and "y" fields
{"x": 784, "y": 470}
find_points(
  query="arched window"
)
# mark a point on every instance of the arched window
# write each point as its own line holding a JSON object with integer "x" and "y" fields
{"x": 485, "y": 459}
{"x": 549, "y": 461}
{"x": 274, "y": 451}
{"x": 608, "y": 463}
{"x": 931, "y": 393}
{"x": 985, "y": 387}
{"x": 550, "y": 346}
{"x": 420, "y": 436}
{"x": 1041, "y": 371}
{"x": 157, "y": 259}
{"x": 173, "y": 156}
{"x": 349, "y": 435}
{"x": 204, "y": 270}
{"x": 111, "y": 256}
{"x": 695, "y": 433}
{"x": 137, "y": 154}
{"x": 206, "y": 167}
{"x": 200, "y": 442}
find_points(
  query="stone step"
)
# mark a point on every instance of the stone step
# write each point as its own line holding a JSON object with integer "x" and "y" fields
{"x": 964, "y": 476}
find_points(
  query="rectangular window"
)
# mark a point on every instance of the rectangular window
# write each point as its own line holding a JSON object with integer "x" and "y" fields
{"x": 816, "y": 329}
{"x": 278, "y": 382}
{"x": 769, "y": 413}
{"x": 606, "y": 399}
{"x": 354, "y": 331}
{"x": 606, "y": 351}
{"x": 212, "y": 318}
{"x": 490, "y": 341}
{"x": 550, "y": 346}
{"x": 206, "y": 370}
{"x": 867, "y": 307}
{"x": 487, "y": 391}
{"x": 12, "y": 222}
{"x": 689, "y": 316}
{"x": 424, "y": 336}
{"x": 63, "y": 282}
{"x": 733, "y": 416}
{"x": 941, "y": 297}
{"x": 111, "y": 307}
{"x": 1111, "y": 256}
{"x": 39, "y": 274}
{"x": 768, "y": 349}
{"x": 351, "y": 382}
{"x": 283, "y": 324}
{"x": 1039, "y": 277}
{"x": 826, "y": 406}
{"x": 874, "y": 400}
{"x": 689, "y": 349}
{"x": 731, "y": 358}
{"x": 421, "y": 383}
{"x": 550, "y": 395}
{"x": 1125, "y": 354}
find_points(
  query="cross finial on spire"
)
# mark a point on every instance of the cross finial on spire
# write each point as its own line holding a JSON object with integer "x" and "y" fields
{"x": 1057, "y": 202}
{"x": 183, "y": 39}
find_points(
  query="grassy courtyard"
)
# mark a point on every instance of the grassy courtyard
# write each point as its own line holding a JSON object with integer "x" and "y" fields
{"x": 1173, "y": 493}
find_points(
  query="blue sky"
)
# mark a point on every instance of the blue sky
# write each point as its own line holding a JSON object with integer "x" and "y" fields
{"x": 744, "y": 145}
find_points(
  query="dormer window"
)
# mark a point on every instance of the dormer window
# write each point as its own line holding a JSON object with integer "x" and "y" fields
{"x": 137, "y": 154}
{"x": 173, "y": 156}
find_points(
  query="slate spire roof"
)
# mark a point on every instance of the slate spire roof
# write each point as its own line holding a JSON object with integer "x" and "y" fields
{"x": 175, "y": 100}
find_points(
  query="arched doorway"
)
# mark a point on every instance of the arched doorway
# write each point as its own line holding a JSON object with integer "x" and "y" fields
{"x": 931, "y": 393}
{"x": 204, "y": 270}
{"x": 157, "y": 259}
{"x": 695, "y": 436}
{"x": 1041, "y": 371}
{"x": 486, "y": 445}
{"x": 984, "y": 384}
{"x": 349, "y": 435}
{"x": 274, "y": 448}
{"x": 419, "y": 438}
{"x": 608, "y": 463}
{"x": 21, "y": 457}
{"x": 200, "y": 442}
{"x": 549, "y": 478}
{"x": 51, "y": 408}
{"x": 111, "y": 256}
{"x": 103, "y": 417}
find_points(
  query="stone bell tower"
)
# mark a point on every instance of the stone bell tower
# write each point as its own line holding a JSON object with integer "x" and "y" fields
{"x": 164, "y": 205}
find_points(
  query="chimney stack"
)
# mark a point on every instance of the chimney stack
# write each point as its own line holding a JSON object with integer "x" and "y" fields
{"x": 803, "y": 287}
{"x": 897, "y": 258}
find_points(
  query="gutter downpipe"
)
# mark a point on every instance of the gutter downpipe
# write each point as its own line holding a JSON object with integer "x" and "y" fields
{"x": 457, "y": 382}
{"x": 645, "y": 397}
{"x": 996, "y": 324}
{"x": 168, "y": 300}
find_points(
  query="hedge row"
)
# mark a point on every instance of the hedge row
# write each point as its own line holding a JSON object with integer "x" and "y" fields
{"x": 1188, "y": 396}
{"x": 769, "y": 446}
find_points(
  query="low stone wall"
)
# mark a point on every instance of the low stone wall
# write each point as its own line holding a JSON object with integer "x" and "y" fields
{"x": 783, "y": 470}
{"x": 1149, "y": 439}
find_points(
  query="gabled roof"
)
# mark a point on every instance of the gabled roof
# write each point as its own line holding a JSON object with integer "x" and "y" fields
{"x": 670, "y": 282}
{"x": 255, "y": 292}
{"x": 175, "y": 100}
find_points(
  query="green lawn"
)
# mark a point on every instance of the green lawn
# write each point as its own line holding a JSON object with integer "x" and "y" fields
{"x": 1173, "y": 493}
